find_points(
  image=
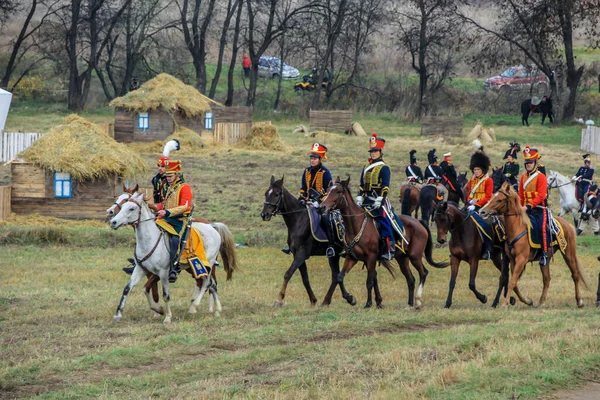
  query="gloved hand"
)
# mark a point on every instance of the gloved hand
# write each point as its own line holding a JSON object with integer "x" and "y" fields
{"x": 471, "y": 207}
{"x": 377, "y": 202}
{"x": 302, "y": 201}
{"x": 473, "y": 201}
{"x": 315, "y": 204}
{"x": 359, "y": 200}
{"x": 579, "y": 179}
{"x": 574, "y": 178}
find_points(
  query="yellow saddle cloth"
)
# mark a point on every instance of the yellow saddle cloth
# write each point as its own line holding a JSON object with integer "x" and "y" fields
{"x": 557, "y": 238}
{"x": 194, "y": 248}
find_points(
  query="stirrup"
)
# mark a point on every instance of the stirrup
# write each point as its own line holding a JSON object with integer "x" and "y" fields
{"x": 544, "y": 259}
{"x": 286, "y": 249}
{"x": 128, "y": 270}
{"x": 486, "y": 255}
{"x": 330, "y": 252}
{"x": 389, "y": 255}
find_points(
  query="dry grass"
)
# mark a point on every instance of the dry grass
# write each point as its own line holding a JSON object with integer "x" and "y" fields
{"x": 264, "y": 137}
{"x": 166, "y": 92}
{"x": 85, "y": 151}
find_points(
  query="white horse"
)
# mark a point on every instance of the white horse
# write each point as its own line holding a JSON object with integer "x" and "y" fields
{"x": 152, "y": 255}
{"x": 566, "y": 189}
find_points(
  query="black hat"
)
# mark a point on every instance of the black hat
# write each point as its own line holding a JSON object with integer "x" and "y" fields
{"x": 431, "y": 157}
{"x": 481, "y": 160}
{"x": 513, "y": 150}
{"x": 586, "y": 157}
{"x": 413, "y": 159}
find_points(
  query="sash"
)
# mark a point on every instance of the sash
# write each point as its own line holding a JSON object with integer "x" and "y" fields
{"x": 432, "y": 173}
{"x": 477, "y": 186}
{"x": 412, "y": 173}
{"x": 530, "y": 178}
{"x": 370, "y": 167}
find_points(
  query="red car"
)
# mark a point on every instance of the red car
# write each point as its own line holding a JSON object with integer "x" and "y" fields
{"x": 517, "y": 79}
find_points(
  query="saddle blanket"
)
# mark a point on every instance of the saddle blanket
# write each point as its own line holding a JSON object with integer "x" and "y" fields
{"x": 194, "y": 246}
{"x": 315, "y": 225}
{"x": 534, "y": 233}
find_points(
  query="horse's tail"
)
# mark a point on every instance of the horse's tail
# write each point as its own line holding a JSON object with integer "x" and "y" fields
{"x": 581, "y": 274}
{"x": 429, "y": 249}
{"x": 227, "y": 249}
{"x": 406, "y": 201}
{"x": 389, "y": 266}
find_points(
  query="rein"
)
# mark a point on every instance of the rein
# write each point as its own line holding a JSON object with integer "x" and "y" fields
{"x": 277, "y": 206}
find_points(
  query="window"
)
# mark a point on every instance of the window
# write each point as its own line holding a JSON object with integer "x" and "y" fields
{"x": 143, "y": 121}
{"x": 62, "y": 185}
{"x": 208, "y": 121}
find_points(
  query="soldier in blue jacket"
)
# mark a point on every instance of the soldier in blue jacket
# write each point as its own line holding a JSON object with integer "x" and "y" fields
{"x": 583, "y": 179}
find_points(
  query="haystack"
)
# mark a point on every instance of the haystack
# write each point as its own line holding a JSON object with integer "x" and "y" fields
{"x": 263, "y": 138}
{"x": 356, "y": 129}
{"x": 320, "y": 136}
{"x": 85, "y": 151}
{"x": 190, "y": 142}
{"x": 166, "y": 92}
{"x": 485, "y": 135}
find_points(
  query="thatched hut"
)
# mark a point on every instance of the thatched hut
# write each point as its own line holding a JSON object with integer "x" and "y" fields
{"x": 74, "y": 171}
{"x": 157, "y": 108}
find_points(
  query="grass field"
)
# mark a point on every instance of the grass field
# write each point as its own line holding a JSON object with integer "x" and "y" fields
{"x": 61, "y": 284}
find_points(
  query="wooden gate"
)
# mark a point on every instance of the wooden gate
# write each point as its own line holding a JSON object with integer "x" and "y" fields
{"x": 590, "y": 139}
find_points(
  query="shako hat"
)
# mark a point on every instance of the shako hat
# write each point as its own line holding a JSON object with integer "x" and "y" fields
{"x": 586, "y": 157}
{"x": 431, "y": 156}
{"x": 169, "y": 146}
{"x": 531, "y": 154}
{"x": 172, "y": 167}
{"x": 376, "y": 143}
{"x": 318, "y": 150}
{"x": 413, "y": 158}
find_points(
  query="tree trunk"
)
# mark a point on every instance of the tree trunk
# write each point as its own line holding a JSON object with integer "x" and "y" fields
{"x": 17, "y": 46}
{"x": 236, "y": 35}
{"x": 222, "y": 42}
{"x": 280, "y": 78}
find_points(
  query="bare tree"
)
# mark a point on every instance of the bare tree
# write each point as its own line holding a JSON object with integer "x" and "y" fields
{"x": 234, "y": 51}
{"x": 430, "y": 34}
{"x": 230, "y": 10}
{"x": 195, "y": 28}
{"x": 541, "y": 31}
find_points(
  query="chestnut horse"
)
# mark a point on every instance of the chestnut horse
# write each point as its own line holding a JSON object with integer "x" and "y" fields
{"x": 506, "y": 202}
{"x": 409, "y": 198}
{"x": 362, "y": 243}
{"x": 466, "y": 245}
{"x": 278, "y": 200}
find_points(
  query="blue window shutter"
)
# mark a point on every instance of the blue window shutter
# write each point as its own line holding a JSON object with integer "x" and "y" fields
{"x": 143, "y": 121}
{"x": 63, "y": 187}
{"x": 208, "y": 121}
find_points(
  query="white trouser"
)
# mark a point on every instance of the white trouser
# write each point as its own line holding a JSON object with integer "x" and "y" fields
{"x": 592, "y": 222}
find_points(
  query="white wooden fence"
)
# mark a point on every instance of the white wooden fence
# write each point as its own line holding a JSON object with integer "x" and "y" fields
{"x": 13, "y": 143}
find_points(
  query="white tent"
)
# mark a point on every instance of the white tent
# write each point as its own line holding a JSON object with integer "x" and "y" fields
{"x": 5, "y": 99}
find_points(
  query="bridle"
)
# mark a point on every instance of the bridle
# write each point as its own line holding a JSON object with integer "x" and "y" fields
{"x": 449, "y": 216}
{"x": 120, "y": 205}
{"x": 506, "y": 197}
{"x": 277, "y": 206}
{"x": 338, "y": 203}
{"x": 555, "y": 181}
{"x": 138, "y": 220}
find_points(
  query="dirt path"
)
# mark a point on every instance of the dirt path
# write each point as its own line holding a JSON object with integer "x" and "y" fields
{"x": 591, "y": 391}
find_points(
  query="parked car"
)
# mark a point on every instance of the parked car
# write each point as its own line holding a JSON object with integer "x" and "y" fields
{"x": 519, "y": 78}
{"x": 269, "y": 67}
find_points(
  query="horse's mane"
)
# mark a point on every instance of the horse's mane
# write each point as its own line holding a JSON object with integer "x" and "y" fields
{"x": 560, "y": 179}
{"x": 515, "y": 203}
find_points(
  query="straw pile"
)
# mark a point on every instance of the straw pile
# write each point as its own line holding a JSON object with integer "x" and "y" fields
{"x": 190, "y": 142}
{"x": 85, "y": 151}
{"x": 485, "y": 135}
{"x": 356, "y": 129}
{"x": 263, "y": 138}
{"x": 166, "y": 92}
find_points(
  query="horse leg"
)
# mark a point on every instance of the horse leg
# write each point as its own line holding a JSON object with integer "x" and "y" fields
{"x": 417, "y": 262}
{"x": 410, "y": 279}
{"x": 454, "y": 264}
{"x": 378, "y": 298}
{"x": 214, "y": 295}
{"x": 167, "y": 297}
{"x": 517, "y": 269}
{"x": 299, "y": 258}
{"x": 201, "y": 288}
{"x": 370, "y": 284}
{"x": 546, "y": 279}
{"x": 501, "y": 264}
{"x": 570, "y": 258}
{"x": 474, "y": 265}
{"x": 306, "y": 282}
{"x": 152, "y": 286}
{"x": 334, "y": 266}
{"x": 136, "y": 277}
{"x": 349, "y": 262}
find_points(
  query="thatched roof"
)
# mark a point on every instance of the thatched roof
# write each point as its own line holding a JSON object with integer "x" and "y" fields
{"x": 85, "y": 151}
{"x": 190, "y": 141}
{"x": 166, "y": 92}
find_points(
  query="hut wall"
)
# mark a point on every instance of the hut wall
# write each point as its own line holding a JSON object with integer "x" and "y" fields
{"x": 33, "y": 192}
{"x": 330, "y": 121}
{"x": 231, "y": 124}
{"x": 195, "y": 124}
{"x": 4, "y": 202}
{"x": 442, "y": 126}
{"x": 160, "y": 126}
{"x": 124, "y": 123}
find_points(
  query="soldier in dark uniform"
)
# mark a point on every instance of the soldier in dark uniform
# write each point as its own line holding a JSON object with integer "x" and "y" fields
{"x": 449, "y": 174}
{"x": 589, "y": 214}
{"x": 583, "y": 178}
{"x": 434, "y": 173}
{"x": 511, "y": 168}
{"x": 316, "y": 179}
{"x": 373, "y": 192}
{"x": 413, "y": 171}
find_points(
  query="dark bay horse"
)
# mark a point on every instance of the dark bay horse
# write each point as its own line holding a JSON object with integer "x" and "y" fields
{"x": 456, "y": 194}
{"x": 466, "y": 245}
{"x": 428, "y": 199}
{"x": 506, "y": 202}
{"x": 409, "y": 199}
{"x": 362, "y": 243}
{"x": 278, "y": 200}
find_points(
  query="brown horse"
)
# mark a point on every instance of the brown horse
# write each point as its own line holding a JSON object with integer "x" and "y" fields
{"x": 506, "y": 202}
{"x": 409, "y": 198}
{"x": 362, "y": 243}
{"x": 466, "y": 245}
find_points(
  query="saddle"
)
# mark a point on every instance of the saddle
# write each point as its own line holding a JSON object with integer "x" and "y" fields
{"x": 315, "y": 225}
{"x": 556, "y": 232}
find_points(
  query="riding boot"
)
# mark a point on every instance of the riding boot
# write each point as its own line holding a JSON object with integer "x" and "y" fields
{"x": 174, "y": 270}
{"x": 286, "y": 249}
{"x": 544, "y": 259}
{"x": 129, "y": 269}
{"x": 391, "y": 248}
{"x": 487, "y": 250}
{"x": 326, "y": 224}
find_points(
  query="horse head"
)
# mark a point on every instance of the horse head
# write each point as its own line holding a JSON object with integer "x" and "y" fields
{"x": 336, "y": 195}
{"x": 498, "y": 178}
{"x": 441, "y": 217}
{"x": 130, "y": 212}
{"x": 273, "y": 197}
{"x": 501, "y": 201}
{"x": 122, "y": 199}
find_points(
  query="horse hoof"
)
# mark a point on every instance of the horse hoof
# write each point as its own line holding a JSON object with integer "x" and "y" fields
{"x": 448, "y": 305}
{"x": 380, "y": 306}
{"x": 217, "y": 314}
{"x": 277, "y": 304}
{"x": 368, "y": 305}
{"x": 167, "y": 321}
{"x": 580, "y": 304}
{"x": 192, "y": 310}
{"x": 117, "y": 318}
{"x": 529, "y": 302}
{"x": 513, "y": 301}
{"x": 419, "y": 305}
{"x": 598, "y": 304}
{"x": 484, "y": 299}
{"x": 324, "y": 304}
{"x": 353, "y": 301}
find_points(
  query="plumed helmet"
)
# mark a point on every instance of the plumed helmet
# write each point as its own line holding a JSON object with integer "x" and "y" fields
{"x": 172, "y": 167}
{"x": 169, "y": 146}
{"x": 376, "y": 143}
{"x": 531, "y": 154}
{"x": 318, "y": 150}
{"x": 480, "y": 160}
{"x": 586, "y": 157}
{"x": 413, "y": 158}
{"x": 513, "y": 150}
{"x": 431, "y": 156}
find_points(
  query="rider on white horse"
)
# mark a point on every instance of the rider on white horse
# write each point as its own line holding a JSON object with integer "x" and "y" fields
{"x": 583, "y": 178}
{"x": 589, "y": 214}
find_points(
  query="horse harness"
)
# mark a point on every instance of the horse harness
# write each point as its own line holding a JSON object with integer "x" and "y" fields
{"x": 135, "y": 225}
{"x": 513, "y": 242}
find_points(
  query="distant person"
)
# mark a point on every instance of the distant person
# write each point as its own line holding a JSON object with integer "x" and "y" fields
{"x": 598, "y": 83}
{"x": 135, "y": 84}
{"x": 246, "y": 64}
